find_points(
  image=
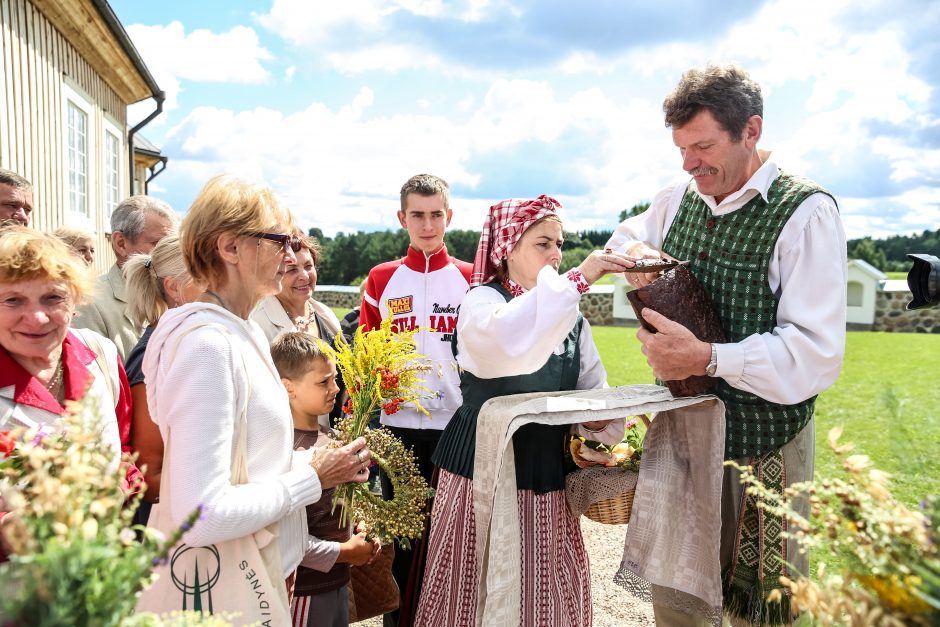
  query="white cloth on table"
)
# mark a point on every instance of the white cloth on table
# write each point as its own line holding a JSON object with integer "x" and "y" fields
{"x": 690, "y": 563}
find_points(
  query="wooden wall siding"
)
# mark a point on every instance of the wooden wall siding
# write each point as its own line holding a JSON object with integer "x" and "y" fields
{"x": 35, "y": 62}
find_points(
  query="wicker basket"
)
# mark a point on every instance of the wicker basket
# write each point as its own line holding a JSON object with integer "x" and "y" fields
{"x": 616, "y": 509}
{"x": 612, "y": 511}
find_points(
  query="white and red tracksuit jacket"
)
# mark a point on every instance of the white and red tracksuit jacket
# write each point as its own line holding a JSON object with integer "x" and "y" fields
{"x": 422, "y": 291}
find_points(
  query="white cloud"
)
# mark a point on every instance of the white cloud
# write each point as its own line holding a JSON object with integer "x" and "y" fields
{"x": 340, "y": 169}
{"x": 173, "y": 55}
{"x": 384, "y": 57}
{"x": 303, "y": 22}
{"x": 289, "y": 73}
{"x": 834, "y": 95}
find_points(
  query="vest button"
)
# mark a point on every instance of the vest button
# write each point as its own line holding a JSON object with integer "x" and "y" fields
{"x": 703, "y": 255}
{"x": 710, "y": 224}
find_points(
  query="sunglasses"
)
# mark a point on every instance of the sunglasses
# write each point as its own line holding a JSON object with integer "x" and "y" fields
{"x": 289, "y": 242}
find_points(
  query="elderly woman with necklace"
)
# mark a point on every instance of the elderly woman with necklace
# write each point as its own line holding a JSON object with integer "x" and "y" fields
{"x": 519, "y": 330}
{"x": 208, "y": 369}
{"x": 43, "y": 364}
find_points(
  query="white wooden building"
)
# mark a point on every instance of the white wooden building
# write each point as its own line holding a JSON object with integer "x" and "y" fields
{"x": 68, "y": 72}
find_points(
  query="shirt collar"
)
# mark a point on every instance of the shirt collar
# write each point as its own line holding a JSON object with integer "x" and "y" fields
{"x": 418, "y": 261}
{"x": 512, "y": 287}
{"x": 759, "y": 183}
{"x": 27, "y": 390}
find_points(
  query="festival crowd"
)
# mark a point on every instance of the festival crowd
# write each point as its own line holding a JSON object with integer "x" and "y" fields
{"x": 200, "y": 347}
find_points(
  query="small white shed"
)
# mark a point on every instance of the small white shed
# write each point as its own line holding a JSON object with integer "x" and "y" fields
{"x": 623, "y": 310}
{"x": 863, "y": 282}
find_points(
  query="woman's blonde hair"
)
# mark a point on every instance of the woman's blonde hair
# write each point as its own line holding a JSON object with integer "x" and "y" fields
{"x": 144, "y": 275}
{"x": 227, "y": 205}
{"x": 72, "y": 236}
{"x": 27, "y": 254}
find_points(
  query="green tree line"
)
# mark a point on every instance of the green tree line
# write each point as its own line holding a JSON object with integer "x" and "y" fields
{"x": 890, "y": 254}
{"x": 347, "y": 258}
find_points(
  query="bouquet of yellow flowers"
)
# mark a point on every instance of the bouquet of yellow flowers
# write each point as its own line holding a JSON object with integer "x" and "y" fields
{"x": 382, "y": 370}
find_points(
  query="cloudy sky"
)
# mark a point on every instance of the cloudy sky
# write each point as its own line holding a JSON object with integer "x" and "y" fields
{"x": 336, "y": 103}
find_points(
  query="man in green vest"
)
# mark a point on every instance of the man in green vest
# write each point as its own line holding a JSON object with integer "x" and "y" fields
{"x": 769, "y": 248}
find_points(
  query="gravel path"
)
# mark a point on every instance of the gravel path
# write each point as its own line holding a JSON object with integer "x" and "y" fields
{"x": 613, "y": 607}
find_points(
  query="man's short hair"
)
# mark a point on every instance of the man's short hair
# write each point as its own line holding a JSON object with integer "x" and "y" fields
{"x": 11, "y": 178}
{"x": 294, "y": 354}
{"x": 130, "y": 216}
{"x": 425, "y": 185}
{"x": 725, "y": 90}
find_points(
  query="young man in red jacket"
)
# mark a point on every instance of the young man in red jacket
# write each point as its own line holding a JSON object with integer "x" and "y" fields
{"x": 423, "y": 289}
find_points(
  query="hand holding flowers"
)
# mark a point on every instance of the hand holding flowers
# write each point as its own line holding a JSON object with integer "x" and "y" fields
{"x": 382, "y": 370}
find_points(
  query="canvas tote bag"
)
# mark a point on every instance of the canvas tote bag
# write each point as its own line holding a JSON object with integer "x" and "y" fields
{"x": 241, "y": 576}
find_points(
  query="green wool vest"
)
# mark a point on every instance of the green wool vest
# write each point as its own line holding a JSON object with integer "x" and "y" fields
{"x": 730, "y": 255}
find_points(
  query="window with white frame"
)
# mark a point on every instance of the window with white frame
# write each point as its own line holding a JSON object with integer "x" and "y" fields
{"x": 77, "y": 133}
{"x": 112, "y": 170}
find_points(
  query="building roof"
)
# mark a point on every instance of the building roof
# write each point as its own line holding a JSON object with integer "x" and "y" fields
{"x": 146, "y": 153}
{"x": 144, "y": 145}
{"x": 868, "y": 269}
{"x": 96, "y": 33}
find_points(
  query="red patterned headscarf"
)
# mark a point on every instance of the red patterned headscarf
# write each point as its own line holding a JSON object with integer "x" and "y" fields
{"x": 504, "y": 226}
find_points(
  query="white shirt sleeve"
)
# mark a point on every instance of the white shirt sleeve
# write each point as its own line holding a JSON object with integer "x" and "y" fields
{"x": 321, "y": 555}
{"x": 593, "y": 376}
{"x": 499, "y": 339}
{"x": 803, "y": 354}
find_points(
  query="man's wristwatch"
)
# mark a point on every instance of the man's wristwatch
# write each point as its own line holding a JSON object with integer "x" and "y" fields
{"x": 713, "y": 362}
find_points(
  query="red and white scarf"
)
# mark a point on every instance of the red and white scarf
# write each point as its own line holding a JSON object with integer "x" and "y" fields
{"x": 505, "y": 223}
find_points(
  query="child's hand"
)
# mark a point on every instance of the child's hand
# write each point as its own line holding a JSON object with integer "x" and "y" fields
{"x": 358, "y": 550}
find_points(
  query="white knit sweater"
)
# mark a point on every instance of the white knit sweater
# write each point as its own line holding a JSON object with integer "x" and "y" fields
{"x": 197, "y": 384}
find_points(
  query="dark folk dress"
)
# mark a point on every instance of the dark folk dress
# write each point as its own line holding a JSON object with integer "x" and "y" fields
{"x": 556, "y": 579}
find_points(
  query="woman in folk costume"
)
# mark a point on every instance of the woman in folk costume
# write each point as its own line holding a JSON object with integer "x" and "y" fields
{"x": 519, "y": 330}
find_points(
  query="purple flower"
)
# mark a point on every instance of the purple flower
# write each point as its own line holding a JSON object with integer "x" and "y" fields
{"x": 41, "y": 435}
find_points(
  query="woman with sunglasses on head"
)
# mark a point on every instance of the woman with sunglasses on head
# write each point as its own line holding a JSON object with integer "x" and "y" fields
{"x": 519, "y": 330}
{"x": 209, "y": 370}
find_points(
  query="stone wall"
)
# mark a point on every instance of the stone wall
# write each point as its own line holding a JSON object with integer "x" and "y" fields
{"x": 344, "y": 296}
{"x": 891, "y": 315}
{"x": 598, "y": 307}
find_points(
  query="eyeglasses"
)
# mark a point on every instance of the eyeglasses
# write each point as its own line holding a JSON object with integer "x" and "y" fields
{"x": 289, "y": 242}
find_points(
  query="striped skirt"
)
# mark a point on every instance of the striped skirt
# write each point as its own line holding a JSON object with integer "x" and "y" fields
{"x": 556, "y": 580}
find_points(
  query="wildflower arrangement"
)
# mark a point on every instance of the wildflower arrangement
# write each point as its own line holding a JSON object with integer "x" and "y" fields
{"x": 75, "y": 558}
{"x": 625, "y": 455}
{"x": 893, "y": 573}
{"x": 382, "y": 370}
